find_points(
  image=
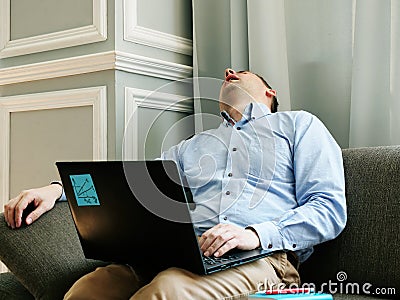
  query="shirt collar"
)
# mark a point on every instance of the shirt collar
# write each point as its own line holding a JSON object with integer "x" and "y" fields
{"x": 227, "y": 118}
{"x": 253, "y": 110}
{"x": 259, "y": 110}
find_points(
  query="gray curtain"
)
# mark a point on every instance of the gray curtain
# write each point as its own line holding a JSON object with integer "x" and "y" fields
{"x": 337, "y": 59}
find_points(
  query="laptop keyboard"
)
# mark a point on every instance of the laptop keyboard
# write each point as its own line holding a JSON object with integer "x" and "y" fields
{"x": 218, "y": 260}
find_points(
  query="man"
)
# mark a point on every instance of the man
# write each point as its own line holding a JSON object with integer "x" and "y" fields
{"x": 261, "y": 179}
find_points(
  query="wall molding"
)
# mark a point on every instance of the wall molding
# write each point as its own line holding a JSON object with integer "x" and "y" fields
{"x": 58, "y": 68}
{"x": 145, "y": 36}
{"x": 94, "y": 96}
{"x": 95, "y": 32}
{"x": 153, "y": 67}
{"x": 136, "y": 98}
{"x": 111, "y": 60}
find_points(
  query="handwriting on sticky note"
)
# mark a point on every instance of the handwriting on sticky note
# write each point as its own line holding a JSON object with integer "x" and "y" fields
{"x": 85, "y": 192}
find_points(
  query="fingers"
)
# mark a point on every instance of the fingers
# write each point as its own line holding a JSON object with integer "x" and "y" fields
{"x": 19, "y": 210}
{"x": 40, "y": 200}
{"x": 14, "y": 209}
{"x": 224, "y": 237}
{"x": 218, "y": 240}
{"x": 229, "y": 245}
{"x": 34, "y": 215}
{"x": 9, "y": 211}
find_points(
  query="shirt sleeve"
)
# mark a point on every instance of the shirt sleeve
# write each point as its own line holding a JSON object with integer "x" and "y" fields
{"x": 63, "y": 197}
{"x": 320, "y": 192}
{"x": 174, "y": 153}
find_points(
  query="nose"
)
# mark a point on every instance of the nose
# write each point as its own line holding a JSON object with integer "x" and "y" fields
{"x": 229, "y": 71}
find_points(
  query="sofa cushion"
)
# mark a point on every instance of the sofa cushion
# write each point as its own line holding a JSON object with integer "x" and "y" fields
{"x": 367, "y": 251}
{"x": 12, "y": 289}
{"x": 51, "y": 241}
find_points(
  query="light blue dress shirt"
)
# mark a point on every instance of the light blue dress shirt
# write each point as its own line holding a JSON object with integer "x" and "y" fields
{"x": 279, "y": 173}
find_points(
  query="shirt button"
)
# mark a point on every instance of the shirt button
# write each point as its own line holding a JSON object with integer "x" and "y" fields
{"x": 225, "y": 218}
{"x": 230, "y": 174}
{"x": 294, "y": 245}
{"x": 234, "y": 149}
{"x": 269, "y": 246}
{"x": 228, "y": 193}
{"x": 238, "y": 128}
{"x": 253, "y": 118}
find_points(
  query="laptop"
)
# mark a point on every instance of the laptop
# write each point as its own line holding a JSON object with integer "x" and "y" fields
{"x": 139, "y": 213}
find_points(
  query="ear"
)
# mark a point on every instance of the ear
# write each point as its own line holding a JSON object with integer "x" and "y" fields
{"x": 270, "y": 93}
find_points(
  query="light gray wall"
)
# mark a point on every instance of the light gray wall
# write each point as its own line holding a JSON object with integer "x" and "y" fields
{"x": 160, "y": 130}
{"x": 43, "y": 136}
{"x": 61, "y": 127}
{"x": 153, "y": 12}
{"x": 154, "y": 15}
{"x": 162, "y": 124}
{"x": 40, "y": 138}
{"x": 56, "y": 14}
{"x": 31, "y": 18}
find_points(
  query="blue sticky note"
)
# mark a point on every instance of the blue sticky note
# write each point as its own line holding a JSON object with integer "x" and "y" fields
{"x": 300, "y": 296}
{"x": 85, "y": 192}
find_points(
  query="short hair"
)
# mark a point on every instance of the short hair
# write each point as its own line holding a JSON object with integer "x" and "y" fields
{"x": 275, "y": 104}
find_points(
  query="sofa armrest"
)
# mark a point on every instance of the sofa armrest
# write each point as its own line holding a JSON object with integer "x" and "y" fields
{"x": 46, "y": 256}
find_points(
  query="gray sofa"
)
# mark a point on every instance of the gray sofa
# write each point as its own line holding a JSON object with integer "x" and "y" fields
{"x": 46, "y": 258}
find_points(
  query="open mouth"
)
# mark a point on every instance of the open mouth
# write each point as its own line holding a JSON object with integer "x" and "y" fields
{"x": 231, "y": 77}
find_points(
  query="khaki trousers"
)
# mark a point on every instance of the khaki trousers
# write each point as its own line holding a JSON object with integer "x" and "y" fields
{"x": 121, "y": 282}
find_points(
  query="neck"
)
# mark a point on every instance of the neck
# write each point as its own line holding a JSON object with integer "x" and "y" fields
{"x": 234, "y": 113}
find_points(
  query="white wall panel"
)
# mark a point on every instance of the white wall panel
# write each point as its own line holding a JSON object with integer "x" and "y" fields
{"x": 94, "y": 97}
{"x": 137, "y": 131}
{"x": 53, "y": 40}
{"x": 135, "y": 33}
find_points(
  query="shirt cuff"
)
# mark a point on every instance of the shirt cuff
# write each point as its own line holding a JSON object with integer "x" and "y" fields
{"x": 63, "y": 197}
{"x": 270, "y": 237}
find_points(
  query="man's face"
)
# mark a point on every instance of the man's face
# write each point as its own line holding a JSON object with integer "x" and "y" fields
{"x": 242, "y": 86}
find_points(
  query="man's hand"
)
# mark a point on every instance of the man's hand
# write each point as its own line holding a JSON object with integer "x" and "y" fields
{"x": 43, "y": 199}
{"x": 224, "y": 237}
